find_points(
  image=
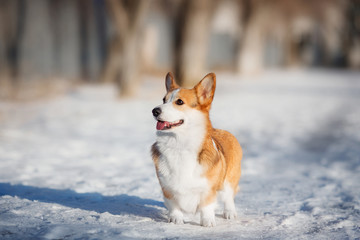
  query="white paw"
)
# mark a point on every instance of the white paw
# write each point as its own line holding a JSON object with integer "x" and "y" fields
{"x": 230, "y": 214}
{"x": 208, "y": 222}
{"x": 176, "y": 218}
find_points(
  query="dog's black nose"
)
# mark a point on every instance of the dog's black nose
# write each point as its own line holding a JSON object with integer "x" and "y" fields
{"x": 156, "y": 112}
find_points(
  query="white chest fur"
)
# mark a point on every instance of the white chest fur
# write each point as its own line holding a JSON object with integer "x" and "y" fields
{"x": 179, "y": 171}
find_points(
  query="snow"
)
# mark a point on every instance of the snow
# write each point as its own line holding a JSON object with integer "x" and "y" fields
{"x": 78, "y": 165}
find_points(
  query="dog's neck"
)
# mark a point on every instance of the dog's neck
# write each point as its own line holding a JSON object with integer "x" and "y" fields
{"x": 188, "y": 141}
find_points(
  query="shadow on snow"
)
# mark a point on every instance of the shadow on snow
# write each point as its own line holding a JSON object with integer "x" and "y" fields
{"x": 118, "y": 205}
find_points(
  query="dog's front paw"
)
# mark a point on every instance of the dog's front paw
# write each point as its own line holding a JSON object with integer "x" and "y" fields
{"x": 176, "y": 217}
{"x": 230, "y": 214}
{"x": 176, "y": 220}
{"x": 208, "y": 222}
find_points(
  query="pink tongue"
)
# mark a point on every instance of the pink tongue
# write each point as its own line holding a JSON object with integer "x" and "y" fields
{"x": 160, "y": 125}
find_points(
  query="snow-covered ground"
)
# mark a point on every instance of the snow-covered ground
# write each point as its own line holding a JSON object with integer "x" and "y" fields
{"x": 78, "y": 166}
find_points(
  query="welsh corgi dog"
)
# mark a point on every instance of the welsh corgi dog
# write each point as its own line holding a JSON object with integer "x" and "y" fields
{"x": 194, "y": 162}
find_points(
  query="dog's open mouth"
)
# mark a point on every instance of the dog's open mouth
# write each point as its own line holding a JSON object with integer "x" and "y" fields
{"x": 164, "y": 125}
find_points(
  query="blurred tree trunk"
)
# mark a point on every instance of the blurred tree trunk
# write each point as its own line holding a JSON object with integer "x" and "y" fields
{"x": 92, "y": 38}
{"x": 37, "y": 55}
{"x": 122, "y": 64}
{"x": 11, "y": 27}
{"x": 250, "y": 50}
{"x": 191, "y": 40}
{"x": 65, "y": 29}
{"x": 352, "y": 39}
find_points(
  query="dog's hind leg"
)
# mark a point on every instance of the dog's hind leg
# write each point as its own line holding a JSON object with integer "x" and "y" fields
{"x": 227, "y": 196}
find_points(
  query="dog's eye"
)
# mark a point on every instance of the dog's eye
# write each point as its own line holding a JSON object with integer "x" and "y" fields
{"x": 179, "y": 102}
{"x": 164, "y": 100}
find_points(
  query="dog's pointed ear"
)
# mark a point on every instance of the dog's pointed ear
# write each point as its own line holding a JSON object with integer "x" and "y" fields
{"x": 170, "y": 83}
{"x": 205, "y": 89}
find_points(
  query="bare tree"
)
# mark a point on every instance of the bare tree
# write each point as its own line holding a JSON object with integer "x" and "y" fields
{"x": 191, "y": 40}
{"x": 299, "y": 33}
{"x": 11, "y": 28}
{"x": 122, "y": 64}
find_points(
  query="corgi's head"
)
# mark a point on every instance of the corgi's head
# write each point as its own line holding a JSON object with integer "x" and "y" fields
{"x": 184, "y": 108}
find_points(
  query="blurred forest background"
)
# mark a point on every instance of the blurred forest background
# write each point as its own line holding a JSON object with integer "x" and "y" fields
{"x": 48, "y": 46}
